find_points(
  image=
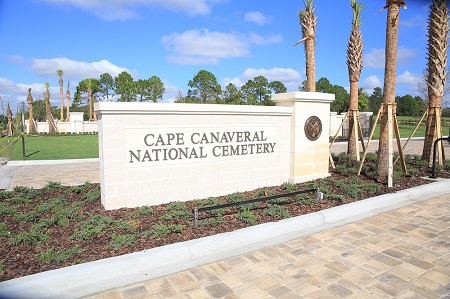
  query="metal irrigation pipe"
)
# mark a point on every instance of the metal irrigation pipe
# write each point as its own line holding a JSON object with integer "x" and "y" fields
{"x": 319, "y": 196}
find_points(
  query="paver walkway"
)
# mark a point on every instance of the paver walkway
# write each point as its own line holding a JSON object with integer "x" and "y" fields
{"x": 404, "y": 253}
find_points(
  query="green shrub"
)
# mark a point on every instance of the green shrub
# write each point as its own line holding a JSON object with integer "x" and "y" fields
{"x": 372, "y": 188}
{"x": 213, "y": 221}
{"x": 164, "y": 230}
{"x": 76, "y": 189}
{"x": 247, "y": 217}
{"x": 129, "y": 225}
{"x": 142, "y": 211}
{"x": 118, "y": 241}
{"x": 176, "y": 206}
{"x": 211, "y": 201}
{"x": 275, "y": 211}
{"x": 52, "y": 204}
{"x": 371, "y": 157}
{"x": 336, "y": 197}
{"x": 6, "y": 209}
{"x": 32, "y": 236}
{"x": 235, "y": 197}
{"x": 5, "y": 194}
{"x": 289, "y": 187}
{"x": 176, "y": 215}
{"x": 53, "y": 186}
{"x": 93, "y": 194}
{"x": 301, "y": 200}
{"x": 4, "y": 231}
{"x": 92, "y": 227}
{"x": 52, "y": 256}
{"x": 27, "y": 217}
{"x": 25, "y": 192}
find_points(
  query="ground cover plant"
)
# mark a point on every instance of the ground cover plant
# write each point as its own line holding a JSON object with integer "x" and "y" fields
{"x": 58, "y": 226}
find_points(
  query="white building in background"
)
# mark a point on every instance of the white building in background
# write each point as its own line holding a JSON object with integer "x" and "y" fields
{"x": 336, "y": 121}
{"x": 75, "y": 125}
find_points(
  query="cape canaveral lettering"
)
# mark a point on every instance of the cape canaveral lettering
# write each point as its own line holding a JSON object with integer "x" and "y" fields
{"x": 159, "y": 147}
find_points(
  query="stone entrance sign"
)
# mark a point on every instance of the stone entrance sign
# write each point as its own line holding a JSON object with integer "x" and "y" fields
{"x": 152, "y": 153}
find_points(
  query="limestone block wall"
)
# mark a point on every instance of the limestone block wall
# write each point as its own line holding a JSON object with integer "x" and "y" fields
{"x": 152, "y": 153}
{"x": 311, "y": 110}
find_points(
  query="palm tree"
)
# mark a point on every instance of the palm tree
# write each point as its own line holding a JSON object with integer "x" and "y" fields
{"x": 354, "y": 63}
{"x": 48, "y": 109}
{"x": 89, "y": 92}
{"x": 67, "y": 100}
{"x": 308, "y": 22}
{"x": 436, "y": 74}
{"x": 385, "y": 151}
{"x": 61, "y": 100}
{"x": 31, "y": 125}
{"x": 9, "y": 116}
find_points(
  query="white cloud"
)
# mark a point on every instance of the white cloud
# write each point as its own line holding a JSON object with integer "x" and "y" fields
{"x": 128, "y": 9}
{"x": 409, "y": 78}
{"x": 196, "y": 47}
{"x": 288, "y": 76}
{"x": 371, "y": 82}
{"x": 77, "y": 69}
{"x": 209, "y": 47}
{"x": 171, "y": 92}
{"x": 375, "y": 58}
{"x": 406, "y": 56}
{"x": 256, "y": 17}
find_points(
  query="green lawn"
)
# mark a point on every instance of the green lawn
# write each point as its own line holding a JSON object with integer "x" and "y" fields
{"x": 406, "y": 130}
{"x": 55, "y": 147}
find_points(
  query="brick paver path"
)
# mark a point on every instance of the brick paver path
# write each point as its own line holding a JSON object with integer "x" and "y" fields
{"x": 404, "y": 253}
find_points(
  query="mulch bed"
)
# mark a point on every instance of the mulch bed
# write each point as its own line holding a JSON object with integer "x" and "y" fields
{"x": 20, "y": 257}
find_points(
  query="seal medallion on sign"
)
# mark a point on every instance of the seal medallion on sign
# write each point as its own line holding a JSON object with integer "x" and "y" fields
{"x": 313, "y": 128}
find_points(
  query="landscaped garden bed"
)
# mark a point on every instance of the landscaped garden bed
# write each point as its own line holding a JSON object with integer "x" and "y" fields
{"x": 58, "y": 226}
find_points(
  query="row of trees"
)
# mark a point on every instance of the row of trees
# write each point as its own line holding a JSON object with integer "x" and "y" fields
{"x": 204, "y": 88}
{"x": 123, "y": 85}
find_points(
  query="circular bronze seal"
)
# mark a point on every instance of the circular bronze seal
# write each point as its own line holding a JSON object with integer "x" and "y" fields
{"x": 313, "y": 128}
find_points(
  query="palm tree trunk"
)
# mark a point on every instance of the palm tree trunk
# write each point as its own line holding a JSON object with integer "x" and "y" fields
{"x": 310, "y": 64}
{"x": 61, "y": 101}
{"x": 438, "y": 28}
{"x": 353, "y": 109}
{"x": 431, "y": 134}
{"x": 384, "y": 167}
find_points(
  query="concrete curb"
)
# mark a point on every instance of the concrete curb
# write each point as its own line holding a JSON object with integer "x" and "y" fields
{"x": 49, "y": 162}
{"x": 107, "y": 274}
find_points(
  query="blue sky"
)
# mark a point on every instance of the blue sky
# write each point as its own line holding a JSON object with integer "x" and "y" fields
{"x": 174, "y": 39}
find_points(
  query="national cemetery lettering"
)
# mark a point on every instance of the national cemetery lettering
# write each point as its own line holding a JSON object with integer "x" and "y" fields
{"x": 155, "y": 146}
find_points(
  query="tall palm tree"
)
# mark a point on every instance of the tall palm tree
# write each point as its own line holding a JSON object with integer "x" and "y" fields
{"x": 67, "y": 100}
{"x": 9, "y": 116}
{"x": 48, "y": 109}
{"x": 436, "y": 73}
{"x": 354, "y": 63}
{"x": 89, "y": 92}
{"x": 61, "y": 100}
{"x": 31, "y": 124}
{"x": 385, "y": 151}
{"x": 308, "y": 22}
